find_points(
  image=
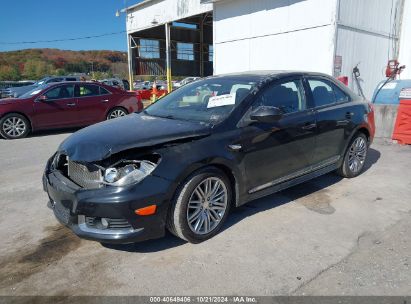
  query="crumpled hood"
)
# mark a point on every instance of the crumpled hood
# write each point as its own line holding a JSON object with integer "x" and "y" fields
{"x": 99, "y": 141}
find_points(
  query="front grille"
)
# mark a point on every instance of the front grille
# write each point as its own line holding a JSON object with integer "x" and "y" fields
{"x": 86, "y": 177}
{"x": 95, "y": 222}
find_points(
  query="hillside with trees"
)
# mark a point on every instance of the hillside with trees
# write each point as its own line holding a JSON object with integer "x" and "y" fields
{"x": 33, "y": 64}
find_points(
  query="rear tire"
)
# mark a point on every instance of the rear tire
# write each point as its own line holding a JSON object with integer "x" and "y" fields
{"x": 354, "y": 157}
{"x": 116, "y": 113}
{"x": 14, "y": 126}
{"x": 200, "y": 206}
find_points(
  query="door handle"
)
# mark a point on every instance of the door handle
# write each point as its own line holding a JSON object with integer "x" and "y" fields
{"x": 104, "y": 100}
{"x": 71, "y": 104}
{"x": 309, "y": 126}
{"x": 349, "y": 115}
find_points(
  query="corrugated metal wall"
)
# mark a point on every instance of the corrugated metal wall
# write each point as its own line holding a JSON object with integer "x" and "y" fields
{"x": 266, "y": 34}
{"x": 405, "y": 41}
{"x": 367, "y": 32}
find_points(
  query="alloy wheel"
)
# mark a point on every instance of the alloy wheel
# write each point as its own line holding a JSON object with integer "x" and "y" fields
{"x": 357, "y": 154}
{"x": 14, "y": 126}
{"x": 207, "y": 205}
{"x": 116, "y": 113}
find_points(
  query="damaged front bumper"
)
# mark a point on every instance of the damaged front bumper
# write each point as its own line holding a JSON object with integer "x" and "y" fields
{"x": 107, "y": 214}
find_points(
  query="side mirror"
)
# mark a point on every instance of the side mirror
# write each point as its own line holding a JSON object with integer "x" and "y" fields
{"x": 42, "y": 98}
{"x": 266, "y": 114}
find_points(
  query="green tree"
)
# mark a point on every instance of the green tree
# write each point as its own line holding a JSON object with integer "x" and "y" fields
{"x": 8, "y": 72}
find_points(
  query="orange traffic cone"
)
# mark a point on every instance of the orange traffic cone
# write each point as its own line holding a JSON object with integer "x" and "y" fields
{"x": 154, "y": 92}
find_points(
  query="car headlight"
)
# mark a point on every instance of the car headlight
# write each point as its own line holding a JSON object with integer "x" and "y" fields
{"x": 130, "y": 173}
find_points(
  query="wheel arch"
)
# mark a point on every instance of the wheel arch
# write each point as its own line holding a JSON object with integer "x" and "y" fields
{"x": 223, "y": 166}
{"x": 22, "y": 114}
{"x": 116, "y": 107}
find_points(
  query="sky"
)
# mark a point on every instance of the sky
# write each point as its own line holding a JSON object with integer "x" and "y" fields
{"x": 34, "y": 20}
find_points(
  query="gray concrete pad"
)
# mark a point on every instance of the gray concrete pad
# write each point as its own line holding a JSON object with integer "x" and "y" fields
{"x": 328, "y": 236}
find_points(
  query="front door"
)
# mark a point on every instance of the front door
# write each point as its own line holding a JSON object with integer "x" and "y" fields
{"x": 276, "y": 152}
{"x": 57, "y": 109}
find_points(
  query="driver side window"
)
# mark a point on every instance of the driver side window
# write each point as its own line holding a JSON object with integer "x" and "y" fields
{"x": 60, "y": 92}
{"x": 287, "y": 96}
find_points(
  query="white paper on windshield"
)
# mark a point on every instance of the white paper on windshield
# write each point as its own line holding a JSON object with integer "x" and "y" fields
{"x": 222, "y": 100}
{"x": 35, "y": 92}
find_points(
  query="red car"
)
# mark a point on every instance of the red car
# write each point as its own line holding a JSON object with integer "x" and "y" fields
{"x": 147, "y": 94}
{"x": 61, "y": 105}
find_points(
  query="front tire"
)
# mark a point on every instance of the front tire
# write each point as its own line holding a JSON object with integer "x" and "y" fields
{"x": 14, "y": 126}
{"x": 355, "y": 156}
{"x": 200, "y": 206}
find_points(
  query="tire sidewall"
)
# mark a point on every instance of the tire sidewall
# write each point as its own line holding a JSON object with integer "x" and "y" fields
{"x": 346, "y": 168}
{"x": 180, "y": 213}
{"x": 5, "y": 117}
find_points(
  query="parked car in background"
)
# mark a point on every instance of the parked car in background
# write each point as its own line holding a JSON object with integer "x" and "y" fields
{"x": 142, "y": 85}
{"x": 61, "y": 105}
{"x": 18, "y": 91}
{"x": 243, "y": 137}
{"x": 116, "y": 82}
{"x": 5, "y": 85}
{"x": 186, "y": 81}
{"x": 148, "y": 93}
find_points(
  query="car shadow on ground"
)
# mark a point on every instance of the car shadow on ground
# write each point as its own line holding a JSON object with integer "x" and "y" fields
{"x": 53, "y": 132}
{"x": 240, "y": 213}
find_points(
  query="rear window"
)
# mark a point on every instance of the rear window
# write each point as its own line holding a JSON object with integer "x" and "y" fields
{"x": 103, "y": 91}
{"x": 87, "y": 90}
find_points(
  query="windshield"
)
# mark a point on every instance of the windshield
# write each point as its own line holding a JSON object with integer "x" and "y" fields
{"x": 41, "y": 81}
{"x": 209, "y": 100}
{"x": 33, "y": 91}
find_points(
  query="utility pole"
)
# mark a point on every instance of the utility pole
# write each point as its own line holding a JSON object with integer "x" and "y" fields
{"x": 168, "y": 57}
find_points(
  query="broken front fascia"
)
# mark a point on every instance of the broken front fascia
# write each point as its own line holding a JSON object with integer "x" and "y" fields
{"x": 100, "y": 141}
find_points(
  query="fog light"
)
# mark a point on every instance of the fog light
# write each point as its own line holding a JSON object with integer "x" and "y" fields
{"x": 104, "y": 223}
{"x": 149, "y": 210}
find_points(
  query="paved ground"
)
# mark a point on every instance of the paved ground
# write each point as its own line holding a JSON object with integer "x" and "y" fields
{"x": 330, "y": 236}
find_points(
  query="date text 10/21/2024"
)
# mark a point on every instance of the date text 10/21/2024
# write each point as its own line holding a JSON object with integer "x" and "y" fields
{"x": 203, "y": 299}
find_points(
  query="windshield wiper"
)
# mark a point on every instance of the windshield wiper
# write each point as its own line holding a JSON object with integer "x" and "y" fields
{"x": 161, "y": 116}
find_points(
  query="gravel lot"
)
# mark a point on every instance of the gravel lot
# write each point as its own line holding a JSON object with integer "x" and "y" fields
{"x": 330, "y": 236}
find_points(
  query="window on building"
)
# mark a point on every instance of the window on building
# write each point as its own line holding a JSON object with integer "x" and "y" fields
{"x": 210, "y": 53}
{"x": 185, "y": 51}
{"x": 190, "y": 26}
{"x": 149, "y": 48}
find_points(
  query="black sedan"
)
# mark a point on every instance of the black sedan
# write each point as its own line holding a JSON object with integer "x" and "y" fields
{"x": 209, "y": 146}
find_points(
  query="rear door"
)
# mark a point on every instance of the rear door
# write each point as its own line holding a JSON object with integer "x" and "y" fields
{"x": 276, "y": 152}
{"x": 92, "y": 102}
{"x": 334, "y": 118}
{"x": 58, "y": 110}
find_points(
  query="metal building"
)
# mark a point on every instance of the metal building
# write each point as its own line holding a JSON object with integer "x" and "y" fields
{"x": 330, "y": 36}
{"x": 180, "y": 29}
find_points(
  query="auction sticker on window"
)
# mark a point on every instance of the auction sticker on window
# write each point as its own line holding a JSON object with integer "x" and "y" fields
{"x": 222, "y": 100}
